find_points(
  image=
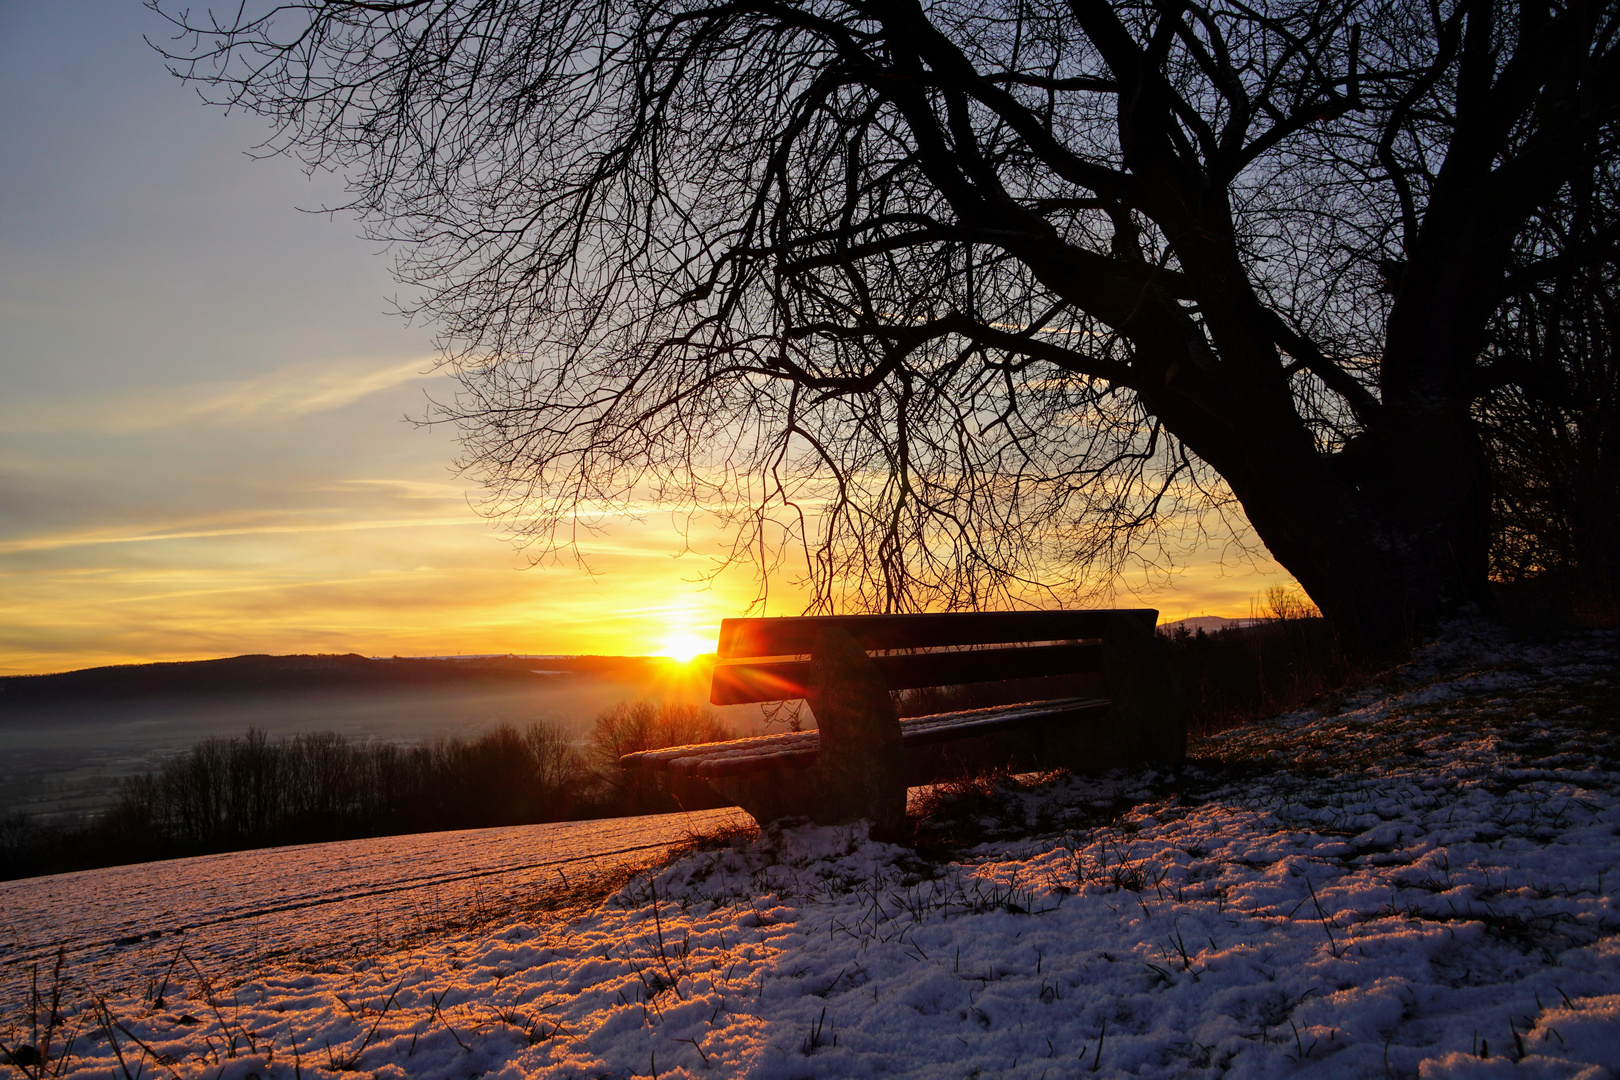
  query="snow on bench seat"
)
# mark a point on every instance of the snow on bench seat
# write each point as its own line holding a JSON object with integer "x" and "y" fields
{"x": 788, "y": 750}
{"x": 798, "y": 749}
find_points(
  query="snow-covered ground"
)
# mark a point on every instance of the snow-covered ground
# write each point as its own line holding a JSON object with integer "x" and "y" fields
{"x": 309, "y": 903}
{"x": 1420, "y": 884}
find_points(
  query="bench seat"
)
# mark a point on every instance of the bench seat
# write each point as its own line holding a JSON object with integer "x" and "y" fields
{"x": 799, "y": 749}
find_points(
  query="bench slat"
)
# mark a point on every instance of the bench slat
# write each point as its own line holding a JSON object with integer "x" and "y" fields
{"x": 739, "y": 683}
{"x": 793, "y": 636}
{"x": 798, "y": 749}
{"x": 946, "y": 727}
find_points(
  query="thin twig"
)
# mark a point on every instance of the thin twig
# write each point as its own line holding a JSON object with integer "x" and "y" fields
{"x": 1333, "y": 946}
{"x": 112, "y": 1037}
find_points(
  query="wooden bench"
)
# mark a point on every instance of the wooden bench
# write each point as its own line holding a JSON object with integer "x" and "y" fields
{"x": 860, "y": 759}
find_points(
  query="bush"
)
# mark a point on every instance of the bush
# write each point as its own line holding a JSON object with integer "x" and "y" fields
{"x": 1246, "y": 673}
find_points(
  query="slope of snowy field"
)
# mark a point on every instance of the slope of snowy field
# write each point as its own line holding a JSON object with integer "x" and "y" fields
{"x": 119, "y": 926}
{"x": 1420, "y": 884}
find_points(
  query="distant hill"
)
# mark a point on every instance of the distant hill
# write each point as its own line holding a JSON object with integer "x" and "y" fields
{"x": 260, "y": 674}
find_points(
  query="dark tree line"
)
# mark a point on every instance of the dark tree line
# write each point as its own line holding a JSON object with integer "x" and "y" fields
{"x": 250, "y": 791}
{"x": 968, "y": 300}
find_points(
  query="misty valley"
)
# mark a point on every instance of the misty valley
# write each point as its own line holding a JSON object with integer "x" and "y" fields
{"x": 68, "y": 741}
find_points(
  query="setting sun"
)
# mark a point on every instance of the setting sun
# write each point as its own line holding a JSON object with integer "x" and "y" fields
{"x": 683, "y": 646}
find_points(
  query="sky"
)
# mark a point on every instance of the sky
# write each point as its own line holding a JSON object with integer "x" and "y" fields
{"x": 205, "y": 444}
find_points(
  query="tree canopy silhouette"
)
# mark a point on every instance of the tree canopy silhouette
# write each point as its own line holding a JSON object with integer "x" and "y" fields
{"x": 969, "y": 296}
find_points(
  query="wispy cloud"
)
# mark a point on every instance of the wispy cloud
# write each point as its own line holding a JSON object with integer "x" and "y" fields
{"x": 87, "y": 539}
{"x": 294, "y": 390}
{"x": 302, "y": 389}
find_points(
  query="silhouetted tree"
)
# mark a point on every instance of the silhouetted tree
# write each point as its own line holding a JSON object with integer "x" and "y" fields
{"x": 254, "y": 786}
{"x": 1554, "y": 433}
{"x": 961, "y": 295}
{"x": 322, "y": 774}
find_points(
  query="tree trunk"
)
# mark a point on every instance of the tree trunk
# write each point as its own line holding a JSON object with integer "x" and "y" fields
{"x": 1389, "y": 536}
{"x": 1391, "y": 556}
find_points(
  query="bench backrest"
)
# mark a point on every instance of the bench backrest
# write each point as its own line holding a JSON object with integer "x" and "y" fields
{"x": 744, "y": 674}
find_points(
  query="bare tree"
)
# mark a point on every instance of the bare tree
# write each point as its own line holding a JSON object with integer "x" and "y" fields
{"x": 1554, "y": 432}
{"x": 963, "y": 297}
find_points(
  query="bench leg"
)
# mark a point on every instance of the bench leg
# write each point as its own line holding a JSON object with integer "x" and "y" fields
{"x": 1150, "y": 711}
{"x": 860, "y": 770}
